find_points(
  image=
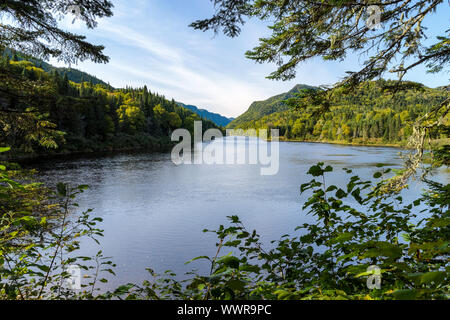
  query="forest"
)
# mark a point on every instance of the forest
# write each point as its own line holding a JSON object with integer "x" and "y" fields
{"x": 85, "y": 116}
{"x": 371, "y": 114}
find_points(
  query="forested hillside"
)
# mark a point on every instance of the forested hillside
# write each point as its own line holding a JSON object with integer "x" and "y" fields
{"x": 72, "y": 74}
{"x": 371, "y": 114}
{"x": 259, "y": 109}
{"x": 81, "y": 117}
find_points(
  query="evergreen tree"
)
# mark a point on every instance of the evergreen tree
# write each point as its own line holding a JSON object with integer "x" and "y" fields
{"x": 303, "y": 30}
{"x": 34, "y": 30}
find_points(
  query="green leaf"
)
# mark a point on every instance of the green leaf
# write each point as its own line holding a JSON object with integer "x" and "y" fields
{"x": 123, "y": 289}
{"x": 283, "y": 294}
{"x": 315, "y": 171}
{"x": 236, "y": 284}
{"x": 341, "y": 194}
{"x": 43, "y": 268}
{"x": 434, "y": 276}
{"x": 405, "y": 294}
{"x": 249, "y": 268}
{"x": 383, "y": 249}
{"x": 201, "y": 286}
{"x": 347, "y": 256}
{"x": 331, "y": 188}
{"x": 344, "y": 237}
{"x": 440, "y": 222}
{"x": 198, "y": 258}
{"x": 234, "y": 243}
{"x": 230, "y": 261}
{"x": 62, "y": 189}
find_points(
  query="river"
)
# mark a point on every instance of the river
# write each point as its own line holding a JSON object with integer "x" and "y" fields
{"x": 154, "y": 211}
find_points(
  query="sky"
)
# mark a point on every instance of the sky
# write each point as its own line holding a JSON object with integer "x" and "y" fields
{"x": 149, "y": 43}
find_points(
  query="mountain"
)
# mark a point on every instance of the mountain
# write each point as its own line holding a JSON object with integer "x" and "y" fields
{"x": 74, "y": 75}
{"x": 259, "y": 109}
{"x": 373, "y": 113}
{"x": 205, "y": 114}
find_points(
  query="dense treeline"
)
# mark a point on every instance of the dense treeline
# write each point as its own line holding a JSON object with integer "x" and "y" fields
{"x": 370, "y": 114}
{"x": 72, "y": 74}
{"x": 86, "y": 116}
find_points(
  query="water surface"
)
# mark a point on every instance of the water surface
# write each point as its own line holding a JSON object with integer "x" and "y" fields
{"x": 154, "y": 211}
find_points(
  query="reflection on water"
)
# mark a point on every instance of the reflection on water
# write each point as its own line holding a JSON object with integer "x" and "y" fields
{"x": 154, "y": 212}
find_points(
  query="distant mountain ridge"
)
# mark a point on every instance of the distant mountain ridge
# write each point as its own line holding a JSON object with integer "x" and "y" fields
{"x": 214, "y": 117}
{"x": 259, "y": 109}
{"x": 73, "y": 75}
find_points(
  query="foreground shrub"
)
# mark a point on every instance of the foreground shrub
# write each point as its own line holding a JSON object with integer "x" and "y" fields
{"x": 40, "y": 233}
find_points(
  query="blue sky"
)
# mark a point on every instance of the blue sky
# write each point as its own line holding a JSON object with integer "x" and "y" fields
{"x": 149, "y": 42}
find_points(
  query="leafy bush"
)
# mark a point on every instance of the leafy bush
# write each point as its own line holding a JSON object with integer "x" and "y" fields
{"x": 39, "y": 235}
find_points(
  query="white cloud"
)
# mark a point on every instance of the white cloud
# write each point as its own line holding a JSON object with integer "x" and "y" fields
{"x": 176, "y": 73}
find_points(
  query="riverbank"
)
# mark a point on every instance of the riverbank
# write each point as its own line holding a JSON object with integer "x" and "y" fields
{"x": 75, "y": 147}
{"x": 348, "y": 143}
{"x": 402, "y": 145}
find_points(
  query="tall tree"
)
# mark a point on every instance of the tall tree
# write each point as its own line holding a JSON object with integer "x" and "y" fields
{"x": 391, "y": 32}
{"x": 31, "y": 27}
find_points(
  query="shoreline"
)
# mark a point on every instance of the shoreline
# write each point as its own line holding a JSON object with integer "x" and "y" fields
{"x": 29, "y": 161}
{"x": 31, "y": 158}
{"x": 162, "y": 146}
{"x": 344, "y": 143}
{"x": 385, "y": 145}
